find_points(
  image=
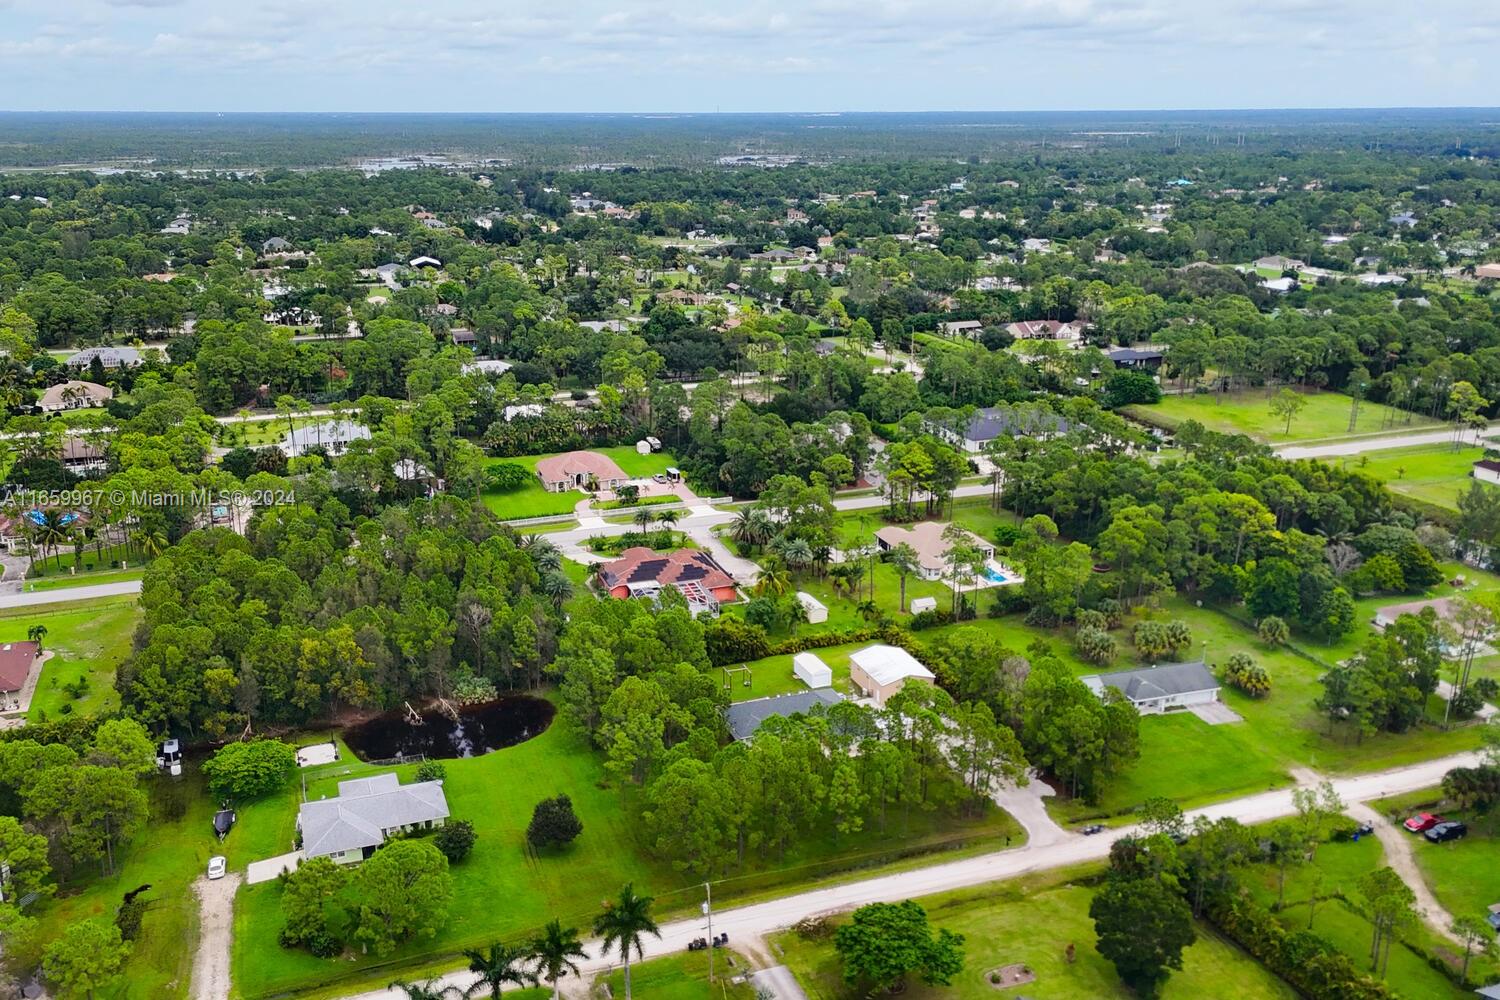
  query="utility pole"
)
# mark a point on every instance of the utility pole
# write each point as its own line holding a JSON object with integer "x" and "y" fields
{"x": 708, "y": 911}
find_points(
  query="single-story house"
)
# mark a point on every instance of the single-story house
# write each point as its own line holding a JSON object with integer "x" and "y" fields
{"x": 879, "y": 671}
{"x": 424, "y": 261}
{"x": 745, "y": 717}
{"x": 1443, "y": 607}
{"x": 1044, "y": 329}
{"x": 926, "y": 537}
{"x": 462, "y": 337}
{"x": 1487, "y": 271}
{"x": 333, "y": 436}
{"x": 109, "y": 357}
{"x": 16, "y": 660}
{"x": 1157, "y": 689}
{"x": 488, "y": 366}
{"x": 275, "y": 245}
{"x": 991, "y": 422}
{"x": 74, "y": 395}
{"x": 1148, "y": 358}
{"x": 366, "y": 811}
{"x": 817, "y": 611}
{"x": 1280, "y": 286}
{"x": 1486, "y": 470}
{"x": 1276, "y": 262}
{"x": 1376, "y": 279}
{"x": 80, "y": 456}
{"x": 579, "y": 470}
{"x": 643, "y": 572}
{"x": 962, "y": 328}
{"x": 812, "y": 671}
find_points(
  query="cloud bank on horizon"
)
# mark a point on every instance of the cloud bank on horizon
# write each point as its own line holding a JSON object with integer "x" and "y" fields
{"x": 755, "y": 55}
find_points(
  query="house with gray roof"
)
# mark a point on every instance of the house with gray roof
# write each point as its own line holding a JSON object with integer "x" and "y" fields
{"x": 1160, "y": 688}
{"x": 745, "y": 717}
{"x": 366, "y": 812}
{"x": 275, "y": 245}
{"x": 990, "y": 422}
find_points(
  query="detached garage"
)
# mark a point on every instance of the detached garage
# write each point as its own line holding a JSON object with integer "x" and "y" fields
{"x": 812, "y": 671}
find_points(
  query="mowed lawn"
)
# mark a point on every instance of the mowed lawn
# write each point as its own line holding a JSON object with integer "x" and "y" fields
{"x": 532, "y": 500}
{"x": 1463, "y": 874}
{"x": 1342, "y": 925}
{"x": 88, "y": 640}
{"x": 1435, "y": 473}
{"x": 1248, "y": 411}
{"x": 503, "y": 891}
{"x": 683, "y": 976}
{"x": 1032, "y": 921}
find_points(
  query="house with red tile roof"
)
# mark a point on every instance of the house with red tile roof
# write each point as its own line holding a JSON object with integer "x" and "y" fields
{"x": 643, "y": 572}
{"x": 579, "y": 470}
{"x": 16, "y": 659}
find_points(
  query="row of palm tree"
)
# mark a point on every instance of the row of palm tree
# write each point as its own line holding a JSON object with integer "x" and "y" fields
{"x": 622, "y": 927}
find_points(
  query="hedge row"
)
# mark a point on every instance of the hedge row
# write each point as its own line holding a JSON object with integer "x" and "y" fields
{"x": 1310, "y": 964}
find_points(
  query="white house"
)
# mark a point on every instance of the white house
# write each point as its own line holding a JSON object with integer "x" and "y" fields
{"x": 366, "y": 812}
{"x": 333, "y": 436}
{"x": 1487, "y": 470}
{"x": 879, "y": 671}
{"x": 74, "y": 395}
{"x": 1157, "y": 689}
{"x": 817, "y": 611}
{"x": 812, "y": 671}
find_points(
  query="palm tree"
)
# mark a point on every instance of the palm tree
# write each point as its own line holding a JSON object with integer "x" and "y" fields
{"x": 643, "y": 519}
{"x": 36, "y": 634}
{"x": 496, "y": 966}
{"x": 774, "y": 579}
{"x": 51, "y": 533}
{"x": 429, "y": 990}
{"x": 555, "y": 950}
{"x": 669, "y": 519}
{"x": 622, "y": 924}
{"x": 152, "y": 542}
{"x": 558, "y": 587}
{"x": 544, "y": 554}
{"x": 903, "y": 559}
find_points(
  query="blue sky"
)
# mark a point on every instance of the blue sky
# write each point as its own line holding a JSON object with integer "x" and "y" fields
{"x": 750, "y": 55}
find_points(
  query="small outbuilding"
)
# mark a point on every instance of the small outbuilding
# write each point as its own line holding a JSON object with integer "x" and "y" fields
{"x": 812, "y": 671}
{"x": 817, "y": 611}
{"x": 921, "y": 604}
{"x": 879, "y": 671}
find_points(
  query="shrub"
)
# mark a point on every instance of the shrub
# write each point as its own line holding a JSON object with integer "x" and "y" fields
{"x": 1088, "y": 618}
{"x": 431, "y": 770}
{"x": 1113, "y": 612}
{"x": 553, "y": 823}
{"x": 1273, "y": 631}
{"x": 1095, "y": 645}
{"x": 1245, "y": 674}
{"x": 1310, "y": 964}
{"x": 455, "y": 839}
{"x": 246, "y": 770}
{"x": 730, "y": 640}
{"x": 930, "y": 619}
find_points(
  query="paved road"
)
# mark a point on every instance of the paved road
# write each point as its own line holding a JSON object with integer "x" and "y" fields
{"x": 1380, "y": 442}
{"x": 758, "y": 919}
{"x": 62, "y": 595}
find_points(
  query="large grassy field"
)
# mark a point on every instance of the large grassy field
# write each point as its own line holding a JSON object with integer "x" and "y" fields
{"x": 1435, "y": 473}
{"x": 1032, "y": 921}
{"x": 1248, "y": 412}
{"x": 88, "y": 641}
{"x": 1342, "y": 924}
{"x": 504, "y": 891}
{"x": 533, "y": 501}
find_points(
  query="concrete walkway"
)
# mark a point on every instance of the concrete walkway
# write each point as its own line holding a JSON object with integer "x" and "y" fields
{"x": 1026, "y": 803}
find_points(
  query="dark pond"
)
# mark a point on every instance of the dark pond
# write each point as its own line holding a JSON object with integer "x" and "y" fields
{"x": 479, "y": 729}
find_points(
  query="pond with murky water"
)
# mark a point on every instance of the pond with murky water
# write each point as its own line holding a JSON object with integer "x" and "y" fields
{"x": 480, "y": 729}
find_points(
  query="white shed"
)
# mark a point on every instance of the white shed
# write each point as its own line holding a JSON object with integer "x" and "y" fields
{"x": 643, "y": 448}
{"x": 921, "y": 604}
{"x": 812, "y": 671}
{"x": 817, "y": 611}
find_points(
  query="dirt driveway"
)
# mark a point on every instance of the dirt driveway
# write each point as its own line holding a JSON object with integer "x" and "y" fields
{"x": 215, "y": 926}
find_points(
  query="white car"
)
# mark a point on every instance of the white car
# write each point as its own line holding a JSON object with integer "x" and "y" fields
{"x": 217, "y": 866}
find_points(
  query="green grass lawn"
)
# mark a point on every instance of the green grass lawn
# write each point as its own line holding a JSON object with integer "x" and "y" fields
{"x": 60, "y": 581}
{"x": 1434, "y": 473}
{"x": 1343, "y": 926}
{"x": 684, "y": 977}
{"x": 88, "y": 639}
{"x": 1464, "y": 874}
{"x": 1248, "y": 412}
{"x": 533, "y": 501}
{"x": 1032, "y": 921}
{"x": 502, "y": 891}
{"x": 773, "y": 675}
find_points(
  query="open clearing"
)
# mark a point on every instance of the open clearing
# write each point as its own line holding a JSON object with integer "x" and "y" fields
{"x": 1248, "y": 411}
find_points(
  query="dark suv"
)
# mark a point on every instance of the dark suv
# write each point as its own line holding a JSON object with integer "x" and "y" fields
{"x": 1445, "y": 832}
